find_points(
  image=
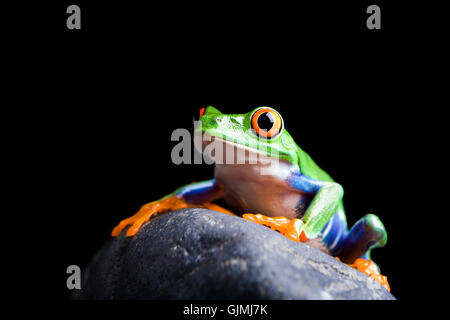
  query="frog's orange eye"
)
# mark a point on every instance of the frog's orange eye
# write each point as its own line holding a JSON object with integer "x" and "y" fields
{"x": 267, "y": 122}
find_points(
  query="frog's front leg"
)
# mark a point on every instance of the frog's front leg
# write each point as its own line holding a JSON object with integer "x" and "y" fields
{"x": 193, "y": 195}
{"x": 327, "y": 197}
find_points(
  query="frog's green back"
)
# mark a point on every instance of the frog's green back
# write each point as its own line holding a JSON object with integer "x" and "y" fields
{"x": 309, "y": 168}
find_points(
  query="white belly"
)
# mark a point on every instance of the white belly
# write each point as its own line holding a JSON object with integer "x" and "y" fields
{"x": 247, "y": 190}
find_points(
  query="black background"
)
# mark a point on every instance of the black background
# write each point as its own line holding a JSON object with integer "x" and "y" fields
{"x": 105, "y": 100}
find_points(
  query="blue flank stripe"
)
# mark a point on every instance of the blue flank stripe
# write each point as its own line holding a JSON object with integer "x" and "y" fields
{"x": 334, "y": 231}
{"x": 199, "y": 191}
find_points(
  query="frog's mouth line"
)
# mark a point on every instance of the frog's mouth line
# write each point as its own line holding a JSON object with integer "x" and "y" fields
{"x": 232, "y": 153}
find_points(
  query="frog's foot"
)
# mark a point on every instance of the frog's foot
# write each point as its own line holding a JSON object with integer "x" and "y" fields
{"x": 147, "y": 211}
{"x": 153, "y": 208}
{"x": 369, "y": 268}
{"x": 289, "y": 228}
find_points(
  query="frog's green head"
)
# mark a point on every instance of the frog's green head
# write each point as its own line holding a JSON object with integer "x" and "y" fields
{"x": 260, "y": 130}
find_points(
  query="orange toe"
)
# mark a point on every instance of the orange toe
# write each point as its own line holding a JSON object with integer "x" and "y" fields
{"x": 368, "y": 267}
{"x": 147, "y": 211}
{"x": 288, "y": 228}
{"x": 153, "y": 208}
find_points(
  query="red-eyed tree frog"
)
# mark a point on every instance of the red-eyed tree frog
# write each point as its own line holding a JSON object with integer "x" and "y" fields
{"x": 284, "y": 189}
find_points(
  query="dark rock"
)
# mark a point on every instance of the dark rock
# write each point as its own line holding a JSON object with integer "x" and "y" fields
{"x": 202, "y": 254}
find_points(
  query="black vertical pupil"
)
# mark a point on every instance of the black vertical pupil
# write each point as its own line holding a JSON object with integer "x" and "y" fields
{"x": 266, "y": 121}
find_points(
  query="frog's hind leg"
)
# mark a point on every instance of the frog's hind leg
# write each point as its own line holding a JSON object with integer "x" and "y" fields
{"x": 366, "y": 234}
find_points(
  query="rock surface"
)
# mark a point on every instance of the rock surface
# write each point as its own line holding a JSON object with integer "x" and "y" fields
{"x": 202, "y": 254}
